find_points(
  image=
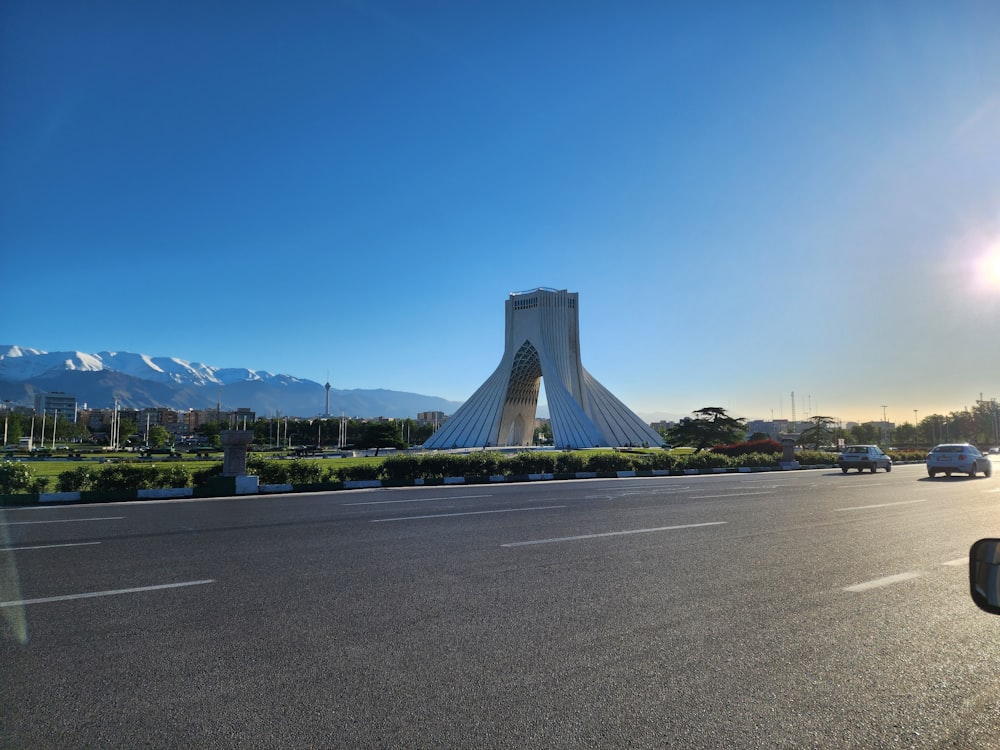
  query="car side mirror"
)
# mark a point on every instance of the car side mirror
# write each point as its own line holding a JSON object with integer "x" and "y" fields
{"x": 984, "y": 575}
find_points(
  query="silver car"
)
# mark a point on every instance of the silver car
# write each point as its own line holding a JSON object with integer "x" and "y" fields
{"x": 959, "y": 457}
{"x": 863, "y": 457}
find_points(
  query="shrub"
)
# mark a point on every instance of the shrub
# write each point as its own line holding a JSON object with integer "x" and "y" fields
{"x": 569, "y": 462}
{"x": 753, "y": 446}
{"x": 201, "y": 477}
{"x": 812, "y": 458}
{"x": 609, "y": 461}
{"x": 173, "y": 476}
{"x": 17, "y": 478}
{"x": 909, "y": 455}
{"x": 358, "y": 472}
{"x": 304, "y": 472}
{"x": 79, "y": 479}
{"x": 481, "y": 464}
{"x": 706, "y": 460}
{"x": 758, "y": 459}
{"x": 400, "y": 468}
{"x": 663, "y": 460}
{"x": 526, "y": 462}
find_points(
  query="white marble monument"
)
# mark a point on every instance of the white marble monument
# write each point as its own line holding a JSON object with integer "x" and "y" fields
{"x": 543, "y": 345}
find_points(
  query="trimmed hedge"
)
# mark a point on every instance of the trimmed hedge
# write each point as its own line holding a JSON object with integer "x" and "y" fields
{"x": 433, "y": 468}
{"x": 113, "y": 478}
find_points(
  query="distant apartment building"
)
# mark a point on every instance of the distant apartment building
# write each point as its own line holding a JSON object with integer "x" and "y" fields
{"x": 156, "y": 416}
{"x": 57, "y": 402}
{"x": 243, "y": 416}
{"x": 435, "y": 418}
{"x": 773, "y": 428}
{"x": 100, "y": 420}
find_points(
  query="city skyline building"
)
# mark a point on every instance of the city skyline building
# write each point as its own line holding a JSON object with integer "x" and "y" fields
{"x": 543, "y": 346}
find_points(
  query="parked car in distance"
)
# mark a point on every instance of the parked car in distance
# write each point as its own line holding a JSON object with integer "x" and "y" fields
{"x": 863, "y": 457}
{"x": 957, "y": 457}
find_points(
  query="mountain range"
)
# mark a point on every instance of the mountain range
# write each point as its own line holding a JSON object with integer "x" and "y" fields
{"x": 138, "y": 381}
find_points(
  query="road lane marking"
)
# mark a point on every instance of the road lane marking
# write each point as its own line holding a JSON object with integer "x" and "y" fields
{"x": 880, "y": 582}
{"x": 114, "y": 592}
{"x": 45, "y": 546}
{"x": 467, "y": 513}
{"x": 611, "y": 533}
{"x": 958, "y": 561}
{"x": 735, "y": 494}
{"x": 418, "y": 500}
{"x": 882, "y": 505}
{"x": 65, "y": 520}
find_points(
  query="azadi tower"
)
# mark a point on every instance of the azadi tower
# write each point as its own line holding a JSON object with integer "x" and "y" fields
{"x": 543, "y": 343}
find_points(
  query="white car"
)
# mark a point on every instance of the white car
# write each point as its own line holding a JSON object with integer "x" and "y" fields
{"x": 957, "y": 457}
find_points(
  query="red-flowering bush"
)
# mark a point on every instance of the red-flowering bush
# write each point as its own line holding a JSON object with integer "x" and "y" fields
{"x": 754, "y": 446}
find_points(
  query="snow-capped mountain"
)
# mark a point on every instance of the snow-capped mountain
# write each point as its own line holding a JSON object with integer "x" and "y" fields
{"x": 19, "y": 363}
{"x": 138, "y": 381}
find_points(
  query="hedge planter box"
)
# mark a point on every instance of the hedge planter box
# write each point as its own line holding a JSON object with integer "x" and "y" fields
{"x": 59, "y": 497}
{"x": 109, "y": 496}
{"x": 321, "y": 486}
{"x": 11, "y": 501}
{"x": 165, "y": 494}
{"x": 362, "y": 484}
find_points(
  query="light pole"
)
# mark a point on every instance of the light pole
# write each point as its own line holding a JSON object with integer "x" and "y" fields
{"x": 6, "y": 414}
{"x": 916, "y": 429}
{"x": 885, "y": 427}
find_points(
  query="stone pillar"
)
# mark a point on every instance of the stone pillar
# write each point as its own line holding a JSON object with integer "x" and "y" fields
{"x": 234, "y": 446}
{"x": 788, "y": 452}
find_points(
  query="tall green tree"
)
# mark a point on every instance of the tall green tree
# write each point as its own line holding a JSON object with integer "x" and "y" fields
{"x": 710, "y": 426}
{"x": 158, "y": 437}
{"x": 819, "y": 434}
{"x": 378, "y": 434}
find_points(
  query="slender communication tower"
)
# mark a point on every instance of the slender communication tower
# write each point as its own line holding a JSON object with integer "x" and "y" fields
{"x": 327, "y": 412}
{"x": 543, "y": 343}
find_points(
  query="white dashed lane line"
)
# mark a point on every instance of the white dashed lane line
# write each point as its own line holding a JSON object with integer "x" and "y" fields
{"x": 880, "y": 505}
{"x": 880, "y": 582}
{"x": 64, "y": 520}
{"x": 47, "y": 546}
{"x": 900, "y": 577}
{"x": 610, "y": 533}
{"x": 95, "y": 594}
{"x": 466, "y": 513}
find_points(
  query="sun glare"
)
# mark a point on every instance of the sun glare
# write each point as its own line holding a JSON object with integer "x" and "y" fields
{"x": 992, "y": 268}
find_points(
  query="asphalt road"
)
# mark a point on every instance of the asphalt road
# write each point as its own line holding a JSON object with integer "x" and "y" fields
{"x": 774, "y": 610}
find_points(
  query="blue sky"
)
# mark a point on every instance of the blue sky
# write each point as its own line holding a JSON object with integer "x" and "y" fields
{"x": 750, "y": 198}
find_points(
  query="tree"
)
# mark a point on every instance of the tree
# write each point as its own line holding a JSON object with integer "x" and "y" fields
{"x": 158, "y": 437}
{"x": 818, "y": 435}
{"x": 379, "y": 434}
{"x": 543, "y": 434}
{"x": 712, "y": 426}
{"x": 865, "y": 434}
{"x": 210, "y": 432}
